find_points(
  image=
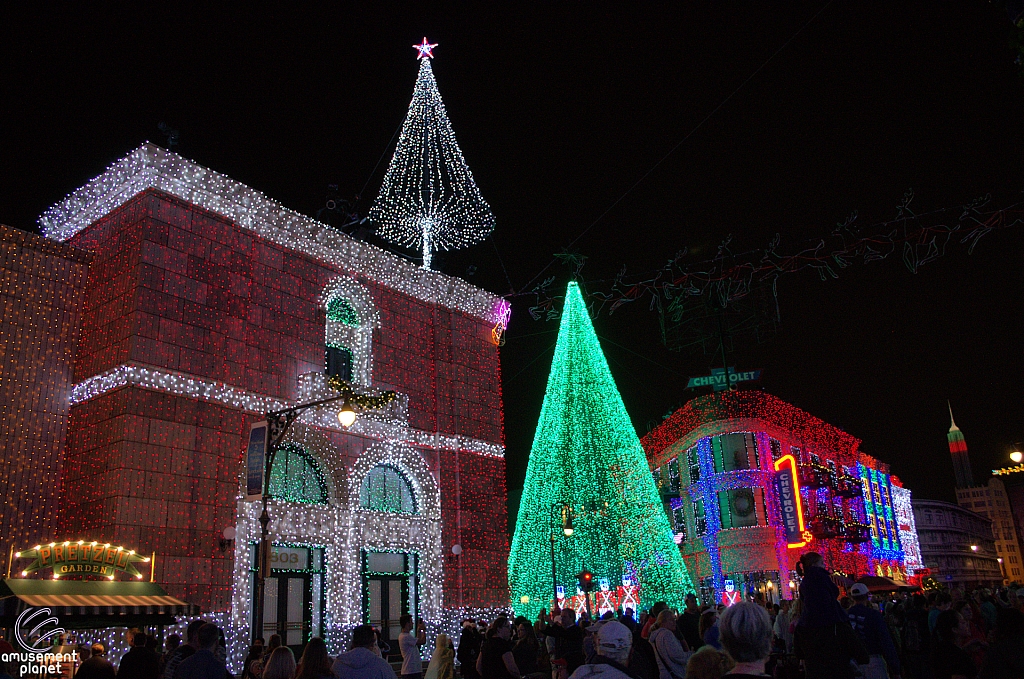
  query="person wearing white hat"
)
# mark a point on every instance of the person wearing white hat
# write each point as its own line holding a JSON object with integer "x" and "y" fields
{"x": 612, "y": 641}
{"x": 871, "y": 628}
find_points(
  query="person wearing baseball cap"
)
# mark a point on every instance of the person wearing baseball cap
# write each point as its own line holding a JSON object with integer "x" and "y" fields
{"x": 612, "y": 641}
{"x": 872, "y": 630}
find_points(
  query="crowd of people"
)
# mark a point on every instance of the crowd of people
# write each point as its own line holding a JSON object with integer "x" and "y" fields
{"x": 663, "y": 644}
{"x": 940, "y": 634}
{"x": 821, "y": 635}
{"x": 203, "y": 655}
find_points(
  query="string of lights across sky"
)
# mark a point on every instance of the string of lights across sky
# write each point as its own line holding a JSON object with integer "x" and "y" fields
{"x": 917, "y": 239}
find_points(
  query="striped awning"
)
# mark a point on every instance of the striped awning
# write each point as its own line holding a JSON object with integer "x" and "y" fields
{"x": 106, "y": 599}
{"x": 99, "y": 600}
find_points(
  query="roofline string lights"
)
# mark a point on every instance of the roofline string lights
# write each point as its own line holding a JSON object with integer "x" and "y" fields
{"x": 372, "y": 424}
{"x": 151, "y": 167}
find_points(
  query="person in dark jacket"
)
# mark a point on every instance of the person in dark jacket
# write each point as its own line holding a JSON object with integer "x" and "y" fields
{"x": 824, "y": 639}
{"x": 469, "y": 649}
{"x": 916, "y": 639}
{"x": 1005, "y": 658}
{"x": 871, "y": 628}
{"x": 948, "y": 658}
{"x": 141, "y": 662}
{"x": 642, "y": 662}
{"x": 203, "y": 664}
{"x": 526, "y": 647}
{"x": 496, "y": 660}
{"x": 186, "y": 650}
{"x": 820, "y": 596}
{"x": 97, "y": 666}
{"x": 688, "y": 623}
{"x": 364, "y": 660}
{"x": 568, "y": 641}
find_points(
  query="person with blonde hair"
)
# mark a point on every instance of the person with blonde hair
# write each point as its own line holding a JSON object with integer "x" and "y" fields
{"x": 280, "y": 664}
{"x": 708, "y": 663}
{"x": 670, "y": 653}
{"x": 442, "y": 663}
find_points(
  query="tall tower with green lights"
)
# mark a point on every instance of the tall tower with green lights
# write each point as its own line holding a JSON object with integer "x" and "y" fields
{"x": 958, "y": 451}
{"x": 587, "y": 463}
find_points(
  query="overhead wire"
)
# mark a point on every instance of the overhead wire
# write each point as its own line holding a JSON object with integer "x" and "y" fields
{"x": 524, "y": 368}
{"x": 383, "y": 153}
{"x": 511, "y": 288}
{"x": 681, "y": 142}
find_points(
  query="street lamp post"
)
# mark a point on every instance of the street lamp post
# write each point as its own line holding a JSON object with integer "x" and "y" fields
{"x": 567, "y": 530}
{"x": 278, "y": 423}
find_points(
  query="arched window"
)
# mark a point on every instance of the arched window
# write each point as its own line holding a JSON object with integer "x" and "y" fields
{"x": 338, "y": 356}
{"x": 340, "y": 310}
{"x": 385, "y": 489}
{"x": 350, "y": 318}
{"x": 296, "y": 478}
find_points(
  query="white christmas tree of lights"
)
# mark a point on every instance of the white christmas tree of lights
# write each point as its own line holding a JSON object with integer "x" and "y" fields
{"x": 428, "y": 199}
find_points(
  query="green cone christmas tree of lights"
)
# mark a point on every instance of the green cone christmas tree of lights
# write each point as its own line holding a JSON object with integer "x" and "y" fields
{"x": 586, "y": 455}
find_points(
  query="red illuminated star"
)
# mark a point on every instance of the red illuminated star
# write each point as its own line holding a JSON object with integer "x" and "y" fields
{"x": 425, "y": 49}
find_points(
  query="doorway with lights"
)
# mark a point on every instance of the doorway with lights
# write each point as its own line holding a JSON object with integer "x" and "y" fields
{"x": 293, "y": 600}
{"x": 389, "y": 592}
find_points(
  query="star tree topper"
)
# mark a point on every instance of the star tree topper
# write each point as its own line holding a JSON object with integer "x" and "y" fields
{"x": 425, "y": 49}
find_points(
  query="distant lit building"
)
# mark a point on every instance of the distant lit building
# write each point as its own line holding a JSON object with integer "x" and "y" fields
{"x": 1012, "y": 479}
{"x": 958, "y": 451}
{"x": 990, "y": 501}
{"x": 957, "y": 545}
{"x": 751, "y": 482}
{"x": 904, "y": 512}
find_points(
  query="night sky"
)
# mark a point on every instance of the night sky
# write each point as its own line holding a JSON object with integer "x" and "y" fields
{"x": 558, "y": 114}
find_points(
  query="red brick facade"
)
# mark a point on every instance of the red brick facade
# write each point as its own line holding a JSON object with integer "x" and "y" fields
{"x": 186, "y": 291}
{"x": 41, "y": 285}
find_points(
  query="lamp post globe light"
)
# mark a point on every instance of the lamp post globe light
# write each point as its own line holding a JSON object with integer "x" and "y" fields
{"x": 1016, "y": 456}
{"x": 347, "y": 415}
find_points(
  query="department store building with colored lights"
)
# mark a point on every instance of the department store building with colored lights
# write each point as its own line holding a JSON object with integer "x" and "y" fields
{"x": 751, "y": 482}
{"x": 165, "y": 309}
